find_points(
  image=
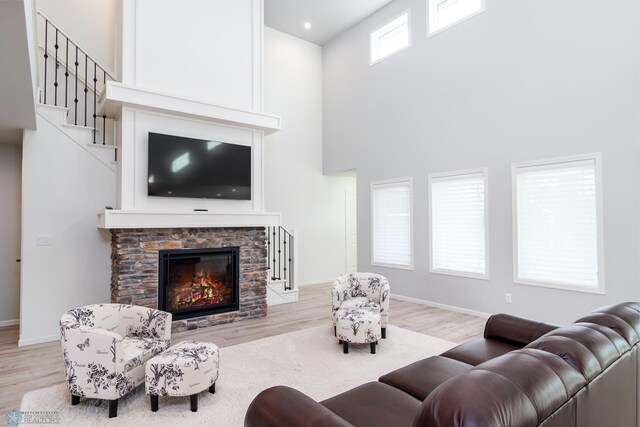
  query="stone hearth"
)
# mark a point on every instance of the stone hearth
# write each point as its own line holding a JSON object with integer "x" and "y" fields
{"x": 135, "y": 261}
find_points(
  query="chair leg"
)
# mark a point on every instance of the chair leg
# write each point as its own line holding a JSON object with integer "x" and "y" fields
{"x": 373, "y": 347}
{"x": 345, "y": 347}
{"x": 75, "y": 400}
{"x": 113, "y": 408}
{"x": 154, "y": 403}
{"x": 194, "y": 402}
{"x": 335, "y": 331}
{"x": 212, "y": 389}
{"x": 384, "y": 333}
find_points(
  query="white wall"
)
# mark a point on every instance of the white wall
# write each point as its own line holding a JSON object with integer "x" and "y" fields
{"x": 10, "y": 167}
{"x": 63, "y": 188}
{"x": 90, "y": 23}
{"x": 203, "y": 50}
{"x": 524, "y": 80}
{"x": 133, "y": 145}
{"x": 310, "y": 202}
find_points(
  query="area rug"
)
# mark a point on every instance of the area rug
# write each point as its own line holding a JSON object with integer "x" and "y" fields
{"x": 310, "y": 360}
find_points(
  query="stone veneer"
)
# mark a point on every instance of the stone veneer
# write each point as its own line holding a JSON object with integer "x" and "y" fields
{"x": 134, "y": 267}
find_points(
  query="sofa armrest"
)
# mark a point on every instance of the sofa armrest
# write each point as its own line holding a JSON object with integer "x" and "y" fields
{"x": 515, "y": 330}
{"x": 282, "y": 406}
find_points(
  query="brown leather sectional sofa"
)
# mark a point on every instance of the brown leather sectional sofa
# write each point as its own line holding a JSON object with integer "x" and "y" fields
{"x": 522, "y": 373}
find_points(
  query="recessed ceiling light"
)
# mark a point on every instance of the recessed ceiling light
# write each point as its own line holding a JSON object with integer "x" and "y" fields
{"x": 307, "y": 25}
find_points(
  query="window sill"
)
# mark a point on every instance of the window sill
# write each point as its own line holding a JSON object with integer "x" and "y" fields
{"x": 565, "y": 287}
{"x": 397, "y": 266}
{"x": 461, "y": 274}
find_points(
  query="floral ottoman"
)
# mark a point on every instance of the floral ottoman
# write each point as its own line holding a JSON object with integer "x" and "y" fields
{"x": 185, "y": 369}
{"x": 358, "y": 325}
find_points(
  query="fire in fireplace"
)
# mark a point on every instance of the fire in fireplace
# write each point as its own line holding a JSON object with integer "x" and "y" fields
{"x": 198, "y": 282}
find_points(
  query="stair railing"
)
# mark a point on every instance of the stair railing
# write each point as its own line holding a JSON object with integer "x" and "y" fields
{"x": 281, "y": 255}
{"x": 60, "y": 48}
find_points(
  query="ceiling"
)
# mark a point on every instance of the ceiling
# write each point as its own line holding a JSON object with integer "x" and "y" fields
{"x": 328, "y": 18}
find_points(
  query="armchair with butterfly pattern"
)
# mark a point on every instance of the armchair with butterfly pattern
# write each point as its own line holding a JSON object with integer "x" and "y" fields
{"x": 105, "y": 347}
{"x": 362, "y": 290}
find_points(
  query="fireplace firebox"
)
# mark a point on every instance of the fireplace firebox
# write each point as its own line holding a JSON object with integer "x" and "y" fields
{"x": 199, "y": 282}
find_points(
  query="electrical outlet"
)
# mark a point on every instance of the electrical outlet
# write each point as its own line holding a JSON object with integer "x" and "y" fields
{"x": 42, "y": 240}
{"x": 507, "y": 298}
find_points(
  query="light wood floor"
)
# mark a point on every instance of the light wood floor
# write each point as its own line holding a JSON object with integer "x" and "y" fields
{"x": 30, "y": 368}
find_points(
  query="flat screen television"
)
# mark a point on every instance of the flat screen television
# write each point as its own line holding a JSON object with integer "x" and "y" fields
{"x": 196, "y": 168}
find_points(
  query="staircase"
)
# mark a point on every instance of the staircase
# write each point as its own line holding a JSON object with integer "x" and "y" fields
{"x": 71, "y": 81}
{"x": 282, "y": 283}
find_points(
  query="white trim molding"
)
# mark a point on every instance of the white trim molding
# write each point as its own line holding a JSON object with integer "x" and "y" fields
{"x": 117, "y": 95}
{"x": 557, "y": 163}
{"x": 440, "y": 305}
{"x": 317, "y": 282}
{"x": 22, "y": 342}
{"x": 430, "y": 11}
{"x": 379, "y": 27}
{"x": 11, "y": 322}
{"x": 113, "y": 218}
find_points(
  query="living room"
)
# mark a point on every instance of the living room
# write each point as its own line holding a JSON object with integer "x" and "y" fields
{"x": 481, "y": 157}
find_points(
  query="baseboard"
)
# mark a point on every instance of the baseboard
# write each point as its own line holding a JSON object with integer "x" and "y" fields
{"x": 317, "y": 282}
{"x": 439, "y": 305}
{"x": 11, "y": 322}
{"x": 38, "y": 340}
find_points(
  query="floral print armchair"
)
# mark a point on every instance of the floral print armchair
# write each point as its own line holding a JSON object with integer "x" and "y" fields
{"x": 105, "y": 347}
{"x": 361, "y": 290}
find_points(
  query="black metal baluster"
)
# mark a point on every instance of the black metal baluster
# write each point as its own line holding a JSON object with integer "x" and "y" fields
{"x": 279, "y": 255}
{"x": 273, "y": 275}
{"x": 55, "y": 82}
{"x": 284, "y": 270}
{"x": 85, "y": 88}
{"x": 95, "y": 84}
{"x": 66, "y": 74}
{"x": 75, "y": 100}
{"x": 104, "y": 116}
{"x": 291, "y": 247}
{"x": 46, "y": 55}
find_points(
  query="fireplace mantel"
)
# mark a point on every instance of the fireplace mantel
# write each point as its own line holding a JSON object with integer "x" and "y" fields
{"x": 112, "y": 219}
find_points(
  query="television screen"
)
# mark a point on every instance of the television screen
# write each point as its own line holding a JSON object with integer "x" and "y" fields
{"x": 195, "y": 168}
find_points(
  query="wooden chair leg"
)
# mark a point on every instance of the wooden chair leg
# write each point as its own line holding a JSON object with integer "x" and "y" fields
{"x": 154, "y": 403}
{"x": 113, "y": 408}
{"x": 335, "y": 331}
{"x": 75, "y": 400}
{"x": 384, "y": 333}
{"x": 212, "y": 389}
{"x": 373, "y": 347}
{"x": 345, "y": 347}
{"x": 194, "y": 402}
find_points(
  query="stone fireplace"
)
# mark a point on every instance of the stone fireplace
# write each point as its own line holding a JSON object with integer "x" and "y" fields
{"x": 200, "y": 264}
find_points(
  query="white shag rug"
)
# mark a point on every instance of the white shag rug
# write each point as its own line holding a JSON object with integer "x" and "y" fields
{"x": 310, "y": 360}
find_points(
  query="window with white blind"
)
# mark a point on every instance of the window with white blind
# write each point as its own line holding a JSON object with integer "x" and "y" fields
{"x": 392, "y": 223}
{"x": 446, "y": 13}
{"x": 458, "y": 223}
{"x": 557, "y": 220}
{"x": 390, "y": 38}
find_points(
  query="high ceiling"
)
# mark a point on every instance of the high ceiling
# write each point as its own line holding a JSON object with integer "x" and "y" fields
{"x": 328, "y": 18}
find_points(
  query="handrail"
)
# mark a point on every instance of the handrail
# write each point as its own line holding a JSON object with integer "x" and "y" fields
{"x": 109, "y": 72}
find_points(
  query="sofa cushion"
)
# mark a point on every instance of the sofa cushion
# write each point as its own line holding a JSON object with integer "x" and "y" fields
{"x": 515, "y": 330}
{"x": 374, "y": 404}
{"x": 135, "y": 352}
{"x": 615, "y": 323}
{"x": 480, "y": 350}
{"x": 515, "y": 389}
{"x": 629, "y": 312}
{"x": 360, "y": 302}
{"x": 422, "y": 377}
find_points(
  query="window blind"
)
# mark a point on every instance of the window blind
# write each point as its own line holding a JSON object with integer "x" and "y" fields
{"x": 458, "y": 223}
{"x": 556, "y": 217}
{"x": 391, "y": 211}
